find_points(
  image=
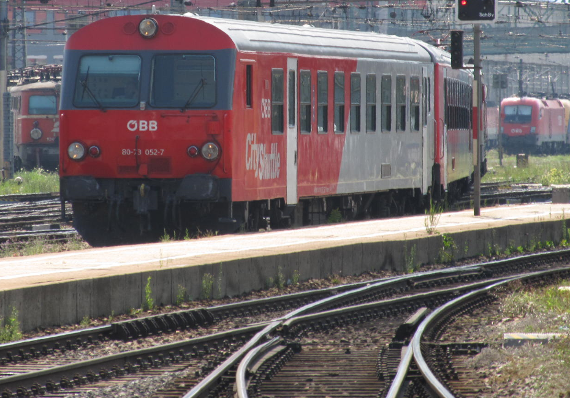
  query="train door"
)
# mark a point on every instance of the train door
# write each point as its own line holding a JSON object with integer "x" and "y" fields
{"x": 444, "y": 143}
{"x": 427, "y": 130}
{"x": 291, "y": 117}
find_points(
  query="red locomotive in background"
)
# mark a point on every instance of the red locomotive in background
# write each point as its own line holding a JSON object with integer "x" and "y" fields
{"x": 535, "y": 125}
{"x": 35, "y": 125}
{"x": 173, "y": 122}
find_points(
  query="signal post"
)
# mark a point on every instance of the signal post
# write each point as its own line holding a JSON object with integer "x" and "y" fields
{"x": 473, "y": 11}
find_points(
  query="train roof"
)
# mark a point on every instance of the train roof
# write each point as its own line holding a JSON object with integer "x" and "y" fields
{"x": 47, "y": 85}
{"x": 252, "y": 36}
{"x": 295, "y": 39}
{"x": 531, "y": 100}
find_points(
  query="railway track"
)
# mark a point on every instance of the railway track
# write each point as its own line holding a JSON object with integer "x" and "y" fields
{"x": 205, "y": 356}
{"x": 33, "y": 216}
{"x": 500, "y": 193}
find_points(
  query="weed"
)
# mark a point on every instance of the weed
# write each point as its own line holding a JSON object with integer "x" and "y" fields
{"x": 112, "y": 317}
{"x": 538, "y": 301}
{"x": 161, "y": 262}
{"x": 35, "y": 181}
{"x": 532, "y": 245}
{"x": 10, "y": 331}
{"x": 296, "y": 277}
{"x": 447, "y": 251}
{"x": 148, "y": 304}
{"x": 39, "y": 245}
{"x": 432, "y": 217}
{"x": 206, "y": 234}
{"x": 410, "y": 260}
{"x": 335, "y": 279}
{"x": 85, "y": 321}
{"x": 546, "y": 170}
{"x": 335, "y": 217}
{"x": 207, "y": 285}
{"x": 180, "y": 295}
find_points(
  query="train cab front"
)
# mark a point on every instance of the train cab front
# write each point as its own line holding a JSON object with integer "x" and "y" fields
{"x": 142, "y": 127}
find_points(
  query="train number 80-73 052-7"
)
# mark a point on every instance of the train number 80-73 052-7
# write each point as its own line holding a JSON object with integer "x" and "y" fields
{"x": 148, "y": 152}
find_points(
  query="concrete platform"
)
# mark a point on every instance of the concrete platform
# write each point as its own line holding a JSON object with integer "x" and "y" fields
{"x": 62, "y": 288}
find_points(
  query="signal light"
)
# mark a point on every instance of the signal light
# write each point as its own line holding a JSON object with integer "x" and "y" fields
{"x": 456, "y": 49}
{"x": 94, "y": 151}
{"x": 475, "y": 10}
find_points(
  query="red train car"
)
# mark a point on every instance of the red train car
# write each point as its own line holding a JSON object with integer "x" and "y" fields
{"x": 35, "y": 114}
{"x": 252, "y": 122}
{"x": 533, "y": 125}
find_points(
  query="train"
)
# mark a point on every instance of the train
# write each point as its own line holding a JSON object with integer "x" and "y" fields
{"x": 239, "y": 126}
{"x": 35, "y": 124}
{"x": 535, "y": 124}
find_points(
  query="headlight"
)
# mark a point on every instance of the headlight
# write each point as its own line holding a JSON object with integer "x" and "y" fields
{"x": 148, "y": 27}
{"x": 210, "y": 151}
{"x": 76, "y": 151}
{"x": 36, "y": 134}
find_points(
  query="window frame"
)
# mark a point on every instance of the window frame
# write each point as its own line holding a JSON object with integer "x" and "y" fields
{"x": 386, "y": 107}
{"x": 355, "y": 103}
{"x": 401, "y": 103}
{"x": 371, "y": 107}
{"x": 322, "y": 102}
{"x": 277, "y": 102}
{"x": 339, "y": 101}
{"x": 305, "y": 108}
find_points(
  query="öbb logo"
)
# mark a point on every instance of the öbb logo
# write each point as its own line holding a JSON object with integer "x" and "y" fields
{"x": 142, "y": 125}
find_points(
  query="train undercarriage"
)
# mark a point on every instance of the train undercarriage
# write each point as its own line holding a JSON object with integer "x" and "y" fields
{"x": 142, "y": 217}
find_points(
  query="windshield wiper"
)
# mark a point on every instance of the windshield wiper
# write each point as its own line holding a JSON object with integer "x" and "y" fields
{"x": 194, "y": 94}
{"x": 88, "y": 90}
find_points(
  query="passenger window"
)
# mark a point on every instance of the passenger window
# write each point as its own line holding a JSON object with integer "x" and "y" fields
{"x": 292, "y": 99}
{"x": 400, "y": 103}
{"x": 425, "y": 100}
{"x": 415, "y": 103}
{"x": 386, "y": 98}
{"x": 322, "y": 99}
{"x": 339, "y": 102}
{"x": 371, "y": 103}
{"x": 277, "y": 120}
{"x": 355, "y": 92}
{"x": 305, "y": 100}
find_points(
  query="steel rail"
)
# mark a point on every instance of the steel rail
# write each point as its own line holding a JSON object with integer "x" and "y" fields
{"x": 433, "y": 381}
{"x": 304, "y": 313}
{"x": 203, "y": 388}
{"x": 121, "y": 360}
{"x": 246, "y": 366}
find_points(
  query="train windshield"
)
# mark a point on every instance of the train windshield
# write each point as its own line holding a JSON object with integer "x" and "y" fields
{"x": 183, "y": 81}
{"x": 42, "y": 105}
{"x": 518, "y": 114}
{"x": 108, "y": 81}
